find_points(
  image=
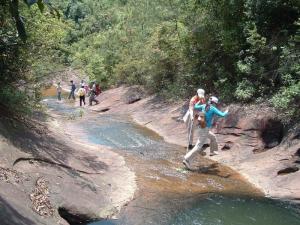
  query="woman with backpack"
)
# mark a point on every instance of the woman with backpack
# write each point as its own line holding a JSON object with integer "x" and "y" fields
{"x": 81, "y": 93}
{"x": 205, "y": 120}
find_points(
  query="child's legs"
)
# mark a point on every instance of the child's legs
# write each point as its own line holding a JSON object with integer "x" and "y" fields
{"x": 194, "y": 126}
{"x": 213, "y": 141}
{"x": 200, "y": 142}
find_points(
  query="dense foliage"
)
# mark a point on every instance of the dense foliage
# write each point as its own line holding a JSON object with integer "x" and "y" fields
{"x": 30, "y": 48}
{"x": 240, "y": 50}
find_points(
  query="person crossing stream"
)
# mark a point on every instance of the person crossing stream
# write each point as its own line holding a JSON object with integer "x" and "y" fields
{"x": 206, "y": 112}
{"x": 161, "y": 181}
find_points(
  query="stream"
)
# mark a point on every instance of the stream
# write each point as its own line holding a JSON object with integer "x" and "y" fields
{"x": 167, "y": 193}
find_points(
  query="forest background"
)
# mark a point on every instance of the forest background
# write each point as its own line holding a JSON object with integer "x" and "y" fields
{"x": 244, "y": 51}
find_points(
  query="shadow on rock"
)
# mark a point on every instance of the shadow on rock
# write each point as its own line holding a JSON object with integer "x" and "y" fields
{"x": 9, "y": 216}
{"x": 212, "y": 169}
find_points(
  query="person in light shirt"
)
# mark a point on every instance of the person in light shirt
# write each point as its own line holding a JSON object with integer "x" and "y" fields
{"x": 191, "y": 115}
{"x": 205, "y": 122}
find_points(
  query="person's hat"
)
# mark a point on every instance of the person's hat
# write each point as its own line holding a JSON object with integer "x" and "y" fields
{"x": 214, "y": 99}
{"x": 201, "y": 93}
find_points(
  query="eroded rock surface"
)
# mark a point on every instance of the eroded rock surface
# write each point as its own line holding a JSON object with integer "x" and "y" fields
{"x": 251, "y": 139}
{"x": 43, "y": 170}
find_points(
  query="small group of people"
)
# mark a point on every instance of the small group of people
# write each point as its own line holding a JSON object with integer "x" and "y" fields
{"x": 199, "y": 117}
{"x": 84, "y": 90}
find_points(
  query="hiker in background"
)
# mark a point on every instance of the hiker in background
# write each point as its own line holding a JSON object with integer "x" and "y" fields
{"x": 58, "y": 90}
{"x": 190, "y": 118}
{"x": 73, "y": 88}
{"x": 205, "y": 120}
{"x": 98, "y": 90}
{"x": 82, "y": 83}
{"x": 81, "y": 93}
{"x": 93, "y": 92}
{"x": 87, "y": 88}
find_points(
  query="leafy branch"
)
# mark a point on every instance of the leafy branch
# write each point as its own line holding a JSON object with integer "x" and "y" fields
{"x": 19, "y": 22}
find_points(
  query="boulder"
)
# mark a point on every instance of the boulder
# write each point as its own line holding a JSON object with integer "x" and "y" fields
{"x": 133, "y": 94}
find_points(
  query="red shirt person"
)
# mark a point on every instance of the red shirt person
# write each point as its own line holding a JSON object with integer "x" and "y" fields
{"x": 191, "y": 115}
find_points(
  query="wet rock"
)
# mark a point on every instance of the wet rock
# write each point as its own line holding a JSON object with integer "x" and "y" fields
{"x": 288, "y": 170}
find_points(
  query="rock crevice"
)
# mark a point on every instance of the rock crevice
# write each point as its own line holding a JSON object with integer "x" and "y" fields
{"x": 31, "y": 160}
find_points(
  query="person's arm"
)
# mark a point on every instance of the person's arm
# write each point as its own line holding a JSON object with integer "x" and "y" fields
{"x": 199, "y": 107}
{"x": 220, "y": 113}
{"x": 202, "y": 101}
{"x": 191, "y": 104}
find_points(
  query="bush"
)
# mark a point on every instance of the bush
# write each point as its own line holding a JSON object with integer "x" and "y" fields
{"x": 14, "y": 100}
{"x": 288, "y": 98}
{"x": 244, "y": 91}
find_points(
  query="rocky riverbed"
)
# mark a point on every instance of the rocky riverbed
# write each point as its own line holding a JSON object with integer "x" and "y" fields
{"x": 251, "y": 140}
{"x": 49, "y": 178}
{"x": 56, "y": 170}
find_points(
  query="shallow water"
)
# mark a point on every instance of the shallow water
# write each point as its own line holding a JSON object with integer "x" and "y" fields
{"x": 65, "y": 108}
{"x": 116, "y": 132}
{"x": 222, "y": 210}
{"x": 168, "y": 194}
{"x": 228, "y": 210}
